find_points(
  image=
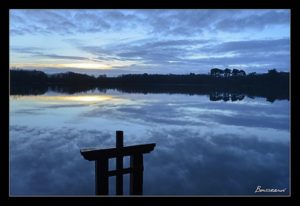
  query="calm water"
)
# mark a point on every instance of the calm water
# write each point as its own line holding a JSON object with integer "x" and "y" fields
{"x": 203, "y": 147}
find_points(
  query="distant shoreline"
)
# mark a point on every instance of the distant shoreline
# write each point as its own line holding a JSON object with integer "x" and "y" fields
{"x": 219, "y": 77}
{"x": 272, "y": 85}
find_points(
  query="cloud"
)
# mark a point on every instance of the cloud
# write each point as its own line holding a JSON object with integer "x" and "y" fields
{"x": 244, "y": 54}
{"x": 250, "y": 46}
{"x": 43, "y": 21}
{"x": 189, "y": 114}
{"x": 213, "y": 164}
{"x": 183, "y": 162}
{"x": 27, "y": 50}
{"x": 39, "y": 52}
{"x": 182, "y": 22}
{"x": 64, "y": 22}
{"x": 200, "y": 54}
{"x": 55, "y": 56}
{"x": 254, "y": 21}
{"x": 198, "y": 21}
{"x": 169, "y": 22}
{"x": 52, "y": 167}
{"x": 147, "y": 51}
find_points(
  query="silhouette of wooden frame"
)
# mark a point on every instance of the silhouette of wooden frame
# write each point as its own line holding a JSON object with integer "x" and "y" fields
{"x": 102, "y": 156}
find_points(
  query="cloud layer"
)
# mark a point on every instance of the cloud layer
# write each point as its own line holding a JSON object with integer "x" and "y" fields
{"x": 152, "y": 41}
{"x": 194, "y": 164}
{"x": 167, "y": 22}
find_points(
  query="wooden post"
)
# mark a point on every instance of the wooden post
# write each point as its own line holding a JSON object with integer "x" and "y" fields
{"x": 101, "y": 156}
{"x": 119, "y": 163}
{"x": 136, "y": 176}
{"x": 101, "y": 172}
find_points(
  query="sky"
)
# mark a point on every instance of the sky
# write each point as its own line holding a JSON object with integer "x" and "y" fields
{"x": 177, "y": 41}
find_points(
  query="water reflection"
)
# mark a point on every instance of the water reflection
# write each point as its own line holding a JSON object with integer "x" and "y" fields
{"x": 225, "y": 96}
{"x": 216, "y": 164}
{"x": 64, "y": 98}
{"x": 203, "y": 147}
{"x": 215, "y": 94}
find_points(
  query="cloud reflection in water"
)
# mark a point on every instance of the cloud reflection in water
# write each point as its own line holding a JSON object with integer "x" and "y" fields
{"x": 203, "y": 148}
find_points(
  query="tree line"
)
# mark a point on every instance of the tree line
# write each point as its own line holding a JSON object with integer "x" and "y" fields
{"x": 273, "y": 84}
{"x": 227, "y": 72}
{"x": 231, "y": 78}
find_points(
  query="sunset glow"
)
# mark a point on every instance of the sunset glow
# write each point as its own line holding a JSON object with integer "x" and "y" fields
{"x": 87, "y": 66}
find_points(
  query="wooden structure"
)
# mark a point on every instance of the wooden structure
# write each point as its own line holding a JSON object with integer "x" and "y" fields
{"x": 101, "y": 158}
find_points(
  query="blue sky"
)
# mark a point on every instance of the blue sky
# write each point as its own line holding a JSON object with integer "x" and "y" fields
{"x": 116, "y": 42}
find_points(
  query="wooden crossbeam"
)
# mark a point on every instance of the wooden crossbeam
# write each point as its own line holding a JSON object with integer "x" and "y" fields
{"x": 120, "y": 172}
{"x": 94, "y": 154}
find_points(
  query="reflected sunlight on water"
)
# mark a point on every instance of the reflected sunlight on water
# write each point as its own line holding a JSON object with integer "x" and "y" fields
{"x": 70, "y": 98}
{"x": 85, "y": 98}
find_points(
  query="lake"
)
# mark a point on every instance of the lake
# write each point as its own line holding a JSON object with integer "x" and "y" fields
{"x": 203, "y": 147}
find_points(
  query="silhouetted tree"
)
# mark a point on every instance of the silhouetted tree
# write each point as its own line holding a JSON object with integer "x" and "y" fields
{"x": 235, "y": 72}
{"x": 252, "y": 74}
{"x": 227, "y": 72}
{"x": 272, "y": 71}
{"x": 242, "y": 73}
{"x": 216, "y": 72}
{"x": 71, "y": 78}
{"x": 28, "y": 77}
